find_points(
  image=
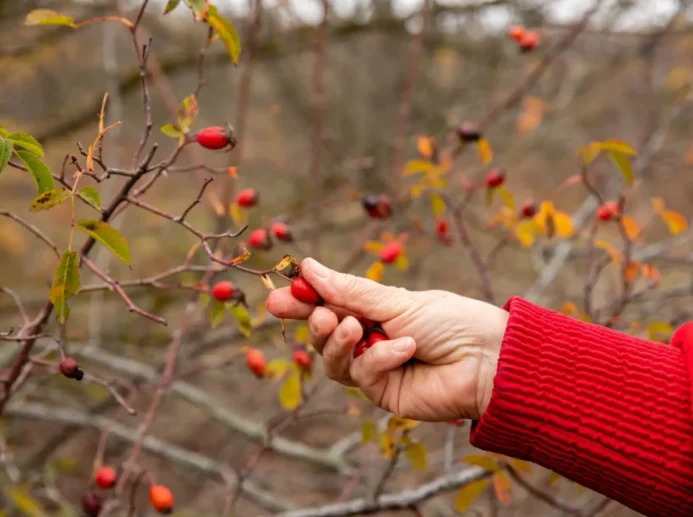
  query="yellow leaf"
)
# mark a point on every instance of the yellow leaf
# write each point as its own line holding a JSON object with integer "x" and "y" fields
{"x": 590, "y": 152}
{"x": 22, "y": 500}
{"x": 554, "y": 478}
{"x": 618, "y": 146}
{"x": 373, "y": 246}
{"x": 238, "y": 215}
{"x": 387, "y": 446}
{"x": 283, "y": 264}
{"x": 402, "y": 262}
{"x": 508, "y": 198}
{"x": 417, "y": 455}
{"x": 425, "y": 146}
{"x": 657, "y": 204}
{"x": 375, "y": 271}
{"x": 437, "y": 205}
{"x": 290, "y": 391}
{"x": 277, "y": 368}
{"x": 630, "y": 227}
{"x": 524, "y": 231}
{"x": 659, "y": 331}
{"x": 521, "y": 466}
{"x": 368, "y": 431}
{"x": 485, "y": 151}
{"x": 563, "y": 224}
{"x": 677, "y": 222}
{"x": 301, "y": 334}
{"x": 401, "y": 424}
{"x": 483, "y": 461}
{"x": 623, "y": 163}
{"x": 502, "y": 487}
{"x": 267, "y": 281}
{"x": 416, "y": 190}
{"x": 469, "y": 493}
{"x": 417, "y": 167}
{"x": 245, "y": 255}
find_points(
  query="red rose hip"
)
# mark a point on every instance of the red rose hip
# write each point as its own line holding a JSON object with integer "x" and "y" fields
{"x": 390, "y": 252}
{"x": 303, "y": 359}
{"x": 517, "y": 32}
{"x": 528, "y": 41}
{"x": 106, "y": 477}
{"x": 304, "y": 292}
{"x": 495, "y": 178}
{"x": 361, "y": 348}
{"x": 248, "y": 197}
{"x": 608, "y": 211}
{"x": 528, "y": 209}
{"x": 215, "y": 137}
{"x": 70, "y": 369}
{"x": 259, "y": 239}
{"x": 255, "y": 360}
{"x": 223, "y": 291}
{"x": 375, "y": 337}
{"x": 161, "y": 498}
{"x": 281, "y": 232}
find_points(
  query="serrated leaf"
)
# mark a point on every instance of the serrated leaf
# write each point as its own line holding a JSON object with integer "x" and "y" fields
{"x": 437, "y": 205}
{"x": 485, "y": 151}
{"x": 623, "y": 163}
{"x": 277, "y": 368}
{"x": 283, "y": 263}
{"x": 227, "y": 32}
{"x": 417, "y": 455}
{"x": 171, "y": 131}
{"x": 217, "y": 313}
{"x": 39, "y": 171}
{"x": 26, "y": 141}
{"x": 242, "y": 317}
{"x": 49, "y": 199}
{"x": 677, "y": 223}
{"x": 469, "y": 493}
{"x": 171, "y": 5}
{"x": 387, "y": 446}
{"x": 187, "y": 112}
{"x": 302, "y": 334}
{"x": 480, "y": 460}
{"x": 245, "y": 255}
{"x": 66, "y": 282}
{"x": 502, "y": 487}
{"x": 290, "y": 391}
{"x": 562, "y": 224}
{"x": 108, "y": 236}
{"x": 368, "y": 431}
{"x": 618, "y": 146}
{"x": 375, "y": 271}
{"x": 22, "y": 501}
{"x": 401, "y": 424}
{"x": 91, "y": 196}
{"x": 5, "y": 153}
{"x": 204, "y": 300}
{"x": 48, "y": 17}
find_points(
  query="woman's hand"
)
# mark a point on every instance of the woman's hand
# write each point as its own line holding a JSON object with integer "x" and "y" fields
{"x": 455, "y": 342}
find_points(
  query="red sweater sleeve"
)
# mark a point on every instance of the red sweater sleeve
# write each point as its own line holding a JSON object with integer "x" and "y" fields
{"x": 607, "y": 410}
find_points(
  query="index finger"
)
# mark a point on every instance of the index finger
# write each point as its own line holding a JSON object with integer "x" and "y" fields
{"x": 282, "y": 304}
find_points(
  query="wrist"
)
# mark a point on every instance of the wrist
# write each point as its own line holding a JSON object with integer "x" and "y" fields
{"x": 489, "y": 365}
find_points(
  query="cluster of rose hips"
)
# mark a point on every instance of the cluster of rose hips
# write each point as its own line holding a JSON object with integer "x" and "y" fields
{"x": 260, "y": 239}
{"x": 372, "y": 334}
{"x": 527, "y": 40}
{"x": 160, "y": 496}
{"x": 256, "y": 363}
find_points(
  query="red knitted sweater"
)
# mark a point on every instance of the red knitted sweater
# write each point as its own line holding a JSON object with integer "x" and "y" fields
{"x": 607, "y": 410}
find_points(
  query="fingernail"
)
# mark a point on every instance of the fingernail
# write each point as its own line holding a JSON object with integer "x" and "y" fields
{"x": 317, "y": 268}
{"x": 402, "y": 344}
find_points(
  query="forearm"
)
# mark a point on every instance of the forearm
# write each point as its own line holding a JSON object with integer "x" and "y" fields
{"x": 610, "y": 411}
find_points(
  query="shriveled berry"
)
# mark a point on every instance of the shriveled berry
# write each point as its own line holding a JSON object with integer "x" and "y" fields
{"x": 255, "y": 360}
{"x": 390, "y": 252}
{"x": 281, "y": 231}
{"x": 468, "y": 132}
{"x": 378, "y": 207}
{"x": 70, "y": 369}
{"x": 361, "y": 348}
{"x": 304, "y": 292}
{"x": 215, "y": 137}
{"x": 303, "y": 359}
{"x": 223, "y": 291}
{"x": 608, "y": 211}
{"x": 161, "y": 498}
{"x": 528, "y": 208}
{"x": 528, "y": 41}
{"x": 91, "y": 504}
{"x": 259, "y": 239}
{"x": 495, "y": 178}
{"x": 248, "y": 197}
{"x": 375, "y": 337}
{"x": 106, "y": 477}
{"x": 516, "y": 32}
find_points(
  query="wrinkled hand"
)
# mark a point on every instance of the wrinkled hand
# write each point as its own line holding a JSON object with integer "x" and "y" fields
{"x": 455, "y": 342}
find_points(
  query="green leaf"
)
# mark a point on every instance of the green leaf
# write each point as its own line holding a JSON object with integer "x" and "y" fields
{"x": 22, "y": 501}
{"x": 187, "y": 112}
{"x": 368, "y": 431}
{"x": 91, "y": 196}
{"x": 39, "y": 171}
{"x": 3, "y": 132}
{"x": 618, "y": 146}
{"x": 204, "y": 300}
{"x": 200, "y": 8}
{"x": 242, "y": 317}
{"x": 5, "y": 153}
{"x": 66, "y": 282}
{"x": 108, "y": 236}
{"x": 217, "y": 312}
{"x": 171, "y": 131}
{"x": 417, "y": 455}
{"x": 437, "y": 204}
{"x": 469, "y": 493}
{"x": 48, "y": 17}
{"x": 623, "y": 163}
{"x": 227, "y": 33}
{"x": 171, "y": 5}
{"x": 49, "y": 199}
{"x": 290, "y": 391}
{"x": 28, "y": 142}
{"x": 277, "y": 368}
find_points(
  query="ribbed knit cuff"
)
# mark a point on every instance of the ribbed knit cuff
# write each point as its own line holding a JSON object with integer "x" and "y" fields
{"x": 610, "y": 411}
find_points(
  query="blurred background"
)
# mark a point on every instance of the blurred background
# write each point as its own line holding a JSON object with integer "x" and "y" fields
{"x": 626, "y": 75}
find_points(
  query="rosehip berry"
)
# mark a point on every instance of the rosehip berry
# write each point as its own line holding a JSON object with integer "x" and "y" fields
{"x": 223, "y": 291}
{"x": 495, "y": 178}
{"x": 70, "y": 369}
{"x": 248, "y": 197}
{"x": 303, "y": 359}
{"x": 91, "y": 504}
{"x": 375, "y": 337}
{"x": 468, "y": 132}
{"x": 378, "y": 207}
{"x": 255, "y": 360}
{"x": 106, "y": 477}
{"x": 259, "y": 239}
{"x": 390, "y": 252}
{"x": 608, "y": 211}
{"x": 304, "y": 292}
{"x": 215, "y": 137}
{"x": 442, "y": 229}
{"x": 161, "y": 499}
{"x": 367, "y": 324}
{"x": 528, "y": 208}
{"x": 361, "y": 348}
{"x": 528, "y": 41}
{"x": 281, "y": 231}
{"x": 516, "y": 32}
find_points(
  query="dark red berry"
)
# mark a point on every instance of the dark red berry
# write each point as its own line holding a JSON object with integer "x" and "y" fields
{"x": 528, "y": 41}
{"x": 361, "y": 348}
{"x": 468, "y": 132}
{"x": 303, "y": 359}
{"x": 91, "y": 504}
{"x": 259, "y": 239}
{"x": 367, "y": 324}
{"x": 255, "y": 360}
{"x": 248, "y": 197}
{"x": 442, "y": 231}
{"x": 106, "y": 477}
{"x": 528, "y": 208}
{"x": 375, "y": 337}
{"x": 495, "y": 178}
{"x": 378, "y": 207}
{"x": 390, "y": 252}
{"x": 304, "y": 292}
{"x": 223, "y": 291}
{"x": 161, "y": 498}
{"x": 216, "y": 137}
{"x": 70, "y": 369}
{"x": 281, "y": 232}
{"x": 608, "y": 211}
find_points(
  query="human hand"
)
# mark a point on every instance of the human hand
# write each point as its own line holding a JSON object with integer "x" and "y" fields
{"x": 454, "y": 341}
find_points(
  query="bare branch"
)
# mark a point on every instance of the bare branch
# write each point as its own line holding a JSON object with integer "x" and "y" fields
{"x": 33, "y": 229}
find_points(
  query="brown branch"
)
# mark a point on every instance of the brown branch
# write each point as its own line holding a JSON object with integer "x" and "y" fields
{"x": 17, "y": 301}
{"x": 541, "y": 495}
{"x": 33, "y": 229}
{"x": 142, "y": 59}
{"x": 197, "y": 199}
{"x": 380, "y": 486}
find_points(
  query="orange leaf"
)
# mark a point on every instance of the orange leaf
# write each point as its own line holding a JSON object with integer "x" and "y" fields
{"x": 375, "y": 271}
{"x": 485, "y": 151}
{"x": 651, "y": 273}
{"x": 630, "y": 227}
{"x": 502, "y": 487}
{"x": 233, "y": 172}
{"x": 425, "y": 146}
{"x": 677, "y": 222}
{"x": 632, "y": 272}
{"x": 614, "y": 254}
{"x": 373, "y": 246}
{"x": 563, "y": 224}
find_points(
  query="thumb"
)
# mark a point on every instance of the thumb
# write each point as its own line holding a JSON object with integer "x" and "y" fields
{"x": 359, "y": 295}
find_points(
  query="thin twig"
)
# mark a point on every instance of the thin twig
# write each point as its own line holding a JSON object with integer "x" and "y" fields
{"x": 33, "y": 229}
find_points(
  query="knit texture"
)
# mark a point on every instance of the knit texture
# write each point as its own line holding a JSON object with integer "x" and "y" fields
{"x": 607, "y": 410}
